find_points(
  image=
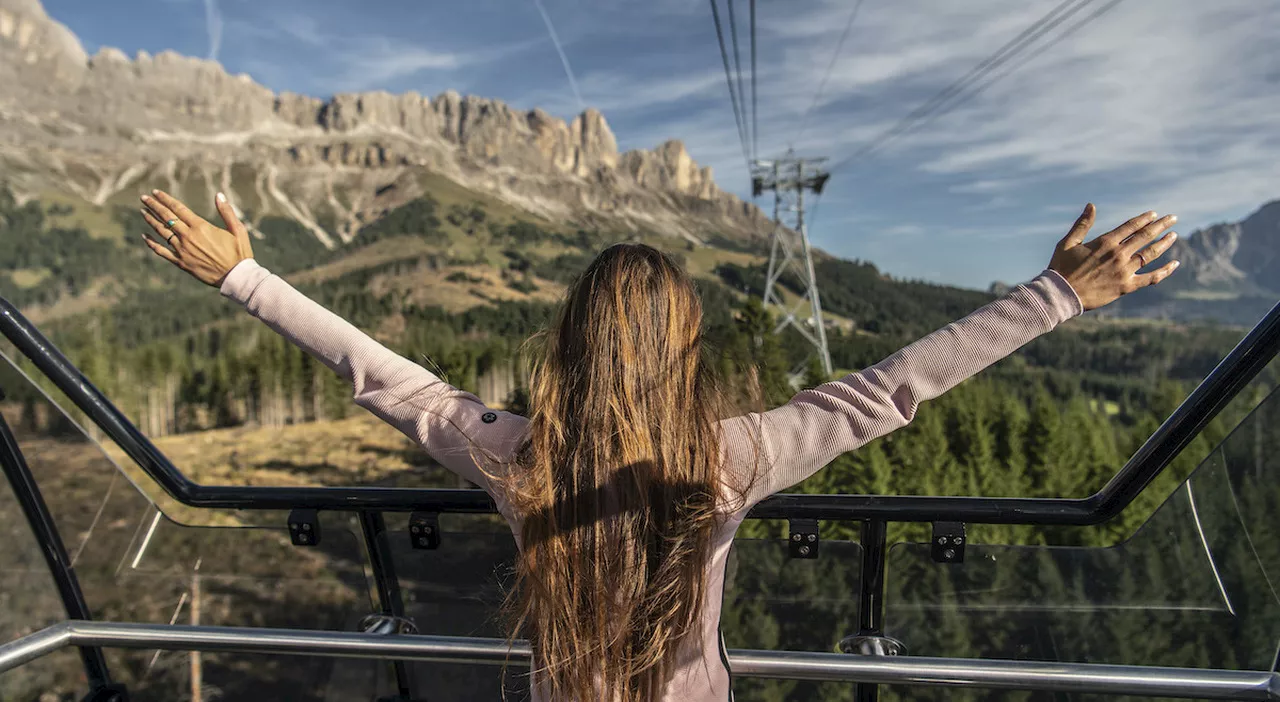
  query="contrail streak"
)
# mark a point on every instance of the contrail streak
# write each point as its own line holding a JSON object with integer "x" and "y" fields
{"x": 213, "y": 22}
{"x": 559, "y": 49}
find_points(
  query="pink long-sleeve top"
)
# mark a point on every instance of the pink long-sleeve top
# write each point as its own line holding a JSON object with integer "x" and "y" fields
{"x": 768, "y": 451}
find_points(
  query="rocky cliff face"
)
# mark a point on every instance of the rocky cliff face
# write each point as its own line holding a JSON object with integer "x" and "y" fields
{"x": 108, "y": 125}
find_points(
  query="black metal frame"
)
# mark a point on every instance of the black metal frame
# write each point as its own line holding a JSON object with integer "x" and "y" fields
{"x": 45, "y": 530}
{"x": 875, "y": 550}
{"x": 382, "y": 565}
{"x": 1235, "y": 371}
{"x": 1227, "y": 379}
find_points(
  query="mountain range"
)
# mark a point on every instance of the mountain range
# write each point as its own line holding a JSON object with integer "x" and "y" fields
{"x": 105, "y": 125}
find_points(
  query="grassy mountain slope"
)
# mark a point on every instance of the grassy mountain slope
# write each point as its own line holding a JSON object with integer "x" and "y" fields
{"x": 452, "y": 247}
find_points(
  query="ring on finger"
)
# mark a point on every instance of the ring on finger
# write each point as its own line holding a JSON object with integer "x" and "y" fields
{"x": 169, "y": 240}
{"x": 1142, "y": 261}
{"x": 169, "y": 224}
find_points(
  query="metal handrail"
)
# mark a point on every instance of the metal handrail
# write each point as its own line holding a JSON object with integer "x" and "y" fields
{"x": 1226, "y": 380}
{"x": 1094, "y": 678}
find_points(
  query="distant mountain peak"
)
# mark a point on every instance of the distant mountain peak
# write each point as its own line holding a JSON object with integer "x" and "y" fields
{"x": 37, "y": 38}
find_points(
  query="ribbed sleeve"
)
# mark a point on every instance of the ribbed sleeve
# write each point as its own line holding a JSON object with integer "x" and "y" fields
{"x": 449, "y": 423}
{"x": 772, "y": 451}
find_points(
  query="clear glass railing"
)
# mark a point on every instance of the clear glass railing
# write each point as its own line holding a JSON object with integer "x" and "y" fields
{"x": 135, "y": 564}
{"x": 774, "y": 602}
{"x": 1196, "y": 586}
{"x": 29, "y": 602}
{"x": 456, "y": 590}
{"x": 770, "y": 600}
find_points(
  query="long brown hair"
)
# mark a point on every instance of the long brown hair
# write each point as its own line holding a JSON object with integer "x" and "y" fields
{"x": 617, "y": 486}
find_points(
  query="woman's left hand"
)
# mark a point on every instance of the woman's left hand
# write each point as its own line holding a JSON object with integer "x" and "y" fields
{"x": 207, "y": 252}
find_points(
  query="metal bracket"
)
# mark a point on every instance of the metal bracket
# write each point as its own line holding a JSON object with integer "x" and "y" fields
{"x": 803, "y": 540}
{"x": 387, "y": 624}
{"x": 948, "y": 542}
{"x": 304, "y": 527}
{"x": 424, "y": 530}
{"x": 863, "y": 645}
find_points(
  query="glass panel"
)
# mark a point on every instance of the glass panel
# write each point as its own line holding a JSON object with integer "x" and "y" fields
{"x": 773, "y": 601}
{"x": 1238, "y": 511}
{"x": 29, "y": 602}
{"x": 770, "y": 600}
{"x": 136, "y": 564}
{"x": 457, "y": 590}
{"x": 1195, "y": 586}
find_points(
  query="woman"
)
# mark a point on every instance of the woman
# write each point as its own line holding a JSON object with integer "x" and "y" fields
{"x": 624, "y": 487}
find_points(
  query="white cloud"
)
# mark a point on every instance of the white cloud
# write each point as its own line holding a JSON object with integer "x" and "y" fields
{"x": 1063, "y": 209}
{"x": 901, "y": 230}
{"x": 613, "y": 92}
{"x": 368, "y": 61}
{"x": 1046, "y": 234}
{"x": 1184, "y": 110}
{"x": 365, "y": 61}
{"x": 617, "y": 92}
{"x": 984, "y": 186}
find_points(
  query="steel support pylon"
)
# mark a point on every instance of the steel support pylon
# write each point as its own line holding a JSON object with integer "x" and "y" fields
{"x": 789, "y": 251}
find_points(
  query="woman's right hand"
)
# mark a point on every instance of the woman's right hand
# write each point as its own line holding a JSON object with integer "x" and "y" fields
{"x": 205, "y": 251}
{"x": 1106, "y": 268}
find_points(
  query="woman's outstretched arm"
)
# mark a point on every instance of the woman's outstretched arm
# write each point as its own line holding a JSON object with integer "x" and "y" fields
{"x": 449, "y": 423}
{"x": 799, "y": 438}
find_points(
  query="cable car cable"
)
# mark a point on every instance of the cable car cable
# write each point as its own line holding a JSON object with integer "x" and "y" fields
{"x": 737, "y": 69}
{"x": 804, "y": 119}
{"x": 1001, "y": 56}
{"x": 755, "y": 132}
{"x": 1056, "y": 40}
{"x": 728, "y": 77}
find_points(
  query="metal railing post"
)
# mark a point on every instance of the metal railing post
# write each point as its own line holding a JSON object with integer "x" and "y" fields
{"x": 382, "y": 564}
{"x": 869, "y": 639}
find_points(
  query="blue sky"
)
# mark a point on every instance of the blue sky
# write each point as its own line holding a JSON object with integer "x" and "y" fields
{"x": 1171, "y": 105}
